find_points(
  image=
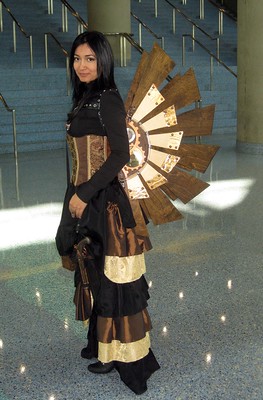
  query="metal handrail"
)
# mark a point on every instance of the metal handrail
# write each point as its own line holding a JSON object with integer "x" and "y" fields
{"x": 141, "y": 23}
{"x": 65, "y": 8}
{"x": 81, "y": 23}
{"x": 221, "y": 12}
{"x": 223, "y": 9}
{"x": 64, "y": 51}
{"x": 194, "y": 26}
{"x": 123, "y": 36}
{"x": 133, "y": 42}
{"x": 212, "y": 58}
{"x": 201, "y": 8}
{"x": 16, "y": 23}
{"x": 13, "y": 111}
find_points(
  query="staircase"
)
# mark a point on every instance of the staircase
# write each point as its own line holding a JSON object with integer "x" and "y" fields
{"x": 39, "y": 95}
{"x": 224, "y": 93}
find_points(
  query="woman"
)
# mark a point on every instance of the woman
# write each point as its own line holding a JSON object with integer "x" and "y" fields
{"x": 96, "y": 205}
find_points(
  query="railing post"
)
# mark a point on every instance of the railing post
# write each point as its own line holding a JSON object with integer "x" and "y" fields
{"x": 14, "y": 36}
{"x": 211, "y": 73}
{"x": 217, "y": 48}
{"x": 198, "y": 104}
{"x": 46, "y": 51}
{"x": 220, "y": 23}
{"x": 162, "y": 40}
{"x": 202, "y": 9}
{"x": 140, "y": 33}
{"x": 183, "y": 52}
{"x": 80, "y": 28}
{"x": 50, "y": 7}
{"x": 193, "y": 40}
{"x": 124, "y": 52}
{"x": 174, "y": 20}
{"x": 156, "y": 8}
{"x": 121, "y": 51}
{"x": 14, "y": 132}
{"x": 68, "y": 75}
{"x": 64, "y": 17}
{"x": 1, "y": 17}
{"x": 17, "y": 180}
{"x": 31, "y": 50}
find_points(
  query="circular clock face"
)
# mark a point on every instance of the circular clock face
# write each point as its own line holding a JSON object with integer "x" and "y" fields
{"x": 139, "y": 148}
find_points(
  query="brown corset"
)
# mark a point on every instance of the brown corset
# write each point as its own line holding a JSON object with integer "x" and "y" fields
{"x": 88, "y": 154}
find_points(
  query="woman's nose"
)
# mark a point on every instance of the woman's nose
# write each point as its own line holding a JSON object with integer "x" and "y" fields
{"x": 82, "y": 64}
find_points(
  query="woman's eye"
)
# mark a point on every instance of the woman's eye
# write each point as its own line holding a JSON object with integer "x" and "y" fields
{"x": 76, "y": 59}
{"x": 91, "y": 59}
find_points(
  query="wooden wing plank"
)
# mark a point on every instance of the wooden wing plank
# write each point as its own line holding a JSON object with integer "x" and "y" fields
{"x": 180, "y": 92}
{"x": 158, "y": 66}
{"x": 198, "y": 122}
{"x": 159, "y": 209}
{"x": 136, "y": 80}
{"x": 183, "y": 91}
{"x": 183, "y": 186}
{"x": 192, "y": 156}
{"x": 196, "y": 156}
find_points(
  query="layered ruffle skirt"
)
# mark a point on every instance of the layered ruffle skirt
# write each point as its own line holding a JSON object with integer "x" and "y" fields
{"x": 119, "y": 325}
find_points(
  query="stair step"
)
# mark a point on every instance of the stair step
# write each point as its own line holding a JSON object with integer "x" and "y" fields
{"x": 39, "y": 95}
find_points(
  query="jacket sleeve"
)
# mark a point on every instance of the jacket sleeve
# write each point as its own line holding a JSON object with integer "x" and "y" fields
{"x": 114, "y": 119}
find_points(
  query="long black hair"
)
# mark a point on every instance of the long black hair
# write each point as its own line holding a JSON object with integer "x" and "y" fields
{"x": 105, "y": 67}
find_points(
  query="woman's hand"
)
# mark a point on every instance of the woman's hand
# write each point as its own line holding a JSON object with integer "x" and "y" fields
{"x": 76, "y": 206}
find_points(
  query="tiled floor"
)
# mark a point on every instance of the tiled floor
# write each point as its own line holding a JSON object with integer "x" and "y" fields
{"x": 207, "y": 289}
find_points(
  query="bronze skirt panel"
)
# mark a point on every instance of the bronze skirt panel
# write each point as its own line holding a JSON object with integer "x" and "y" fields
{"x": 121, "y": 241}
{"x": 125, "y": 329}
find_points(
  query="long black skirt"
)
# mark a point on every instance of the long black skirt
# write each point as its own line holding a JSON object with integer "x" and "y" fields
{"x": 119, "y": 326}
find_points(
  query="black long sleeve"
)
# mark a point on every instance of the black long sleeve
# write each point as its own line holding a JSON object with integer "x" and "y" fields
{"x": 113, "y": 116}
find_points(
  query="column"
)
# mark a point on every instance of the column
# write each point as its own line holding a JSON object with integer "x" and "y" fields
{"x": 111, "y": 16}
{"x": 250, "y": 77}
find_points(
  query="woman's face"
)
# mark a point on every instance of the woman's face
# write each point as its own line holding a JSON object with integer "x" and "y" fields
{"x": 85, "y": 63}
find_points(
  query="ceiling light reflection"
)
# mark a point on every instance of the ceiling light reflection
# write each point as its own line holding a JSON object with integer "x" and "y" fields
{"x": 181, "y": 295}
{"x": 66, "y": 324}
{"x": 229, "y": 284}
{"x": 1, "y": 344}
{"x": 150, "y": 284}
{"x": 223, "y": 318}
{"x": 208, "y": 358}
{"x": 22, "y": 368}
{"x": 164, "y": 329}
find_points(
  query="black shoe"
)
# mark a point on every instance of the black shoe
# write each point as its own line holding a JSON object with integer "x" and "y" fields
{"x": 85, "y": 353}
{"x": 100, "y": 368}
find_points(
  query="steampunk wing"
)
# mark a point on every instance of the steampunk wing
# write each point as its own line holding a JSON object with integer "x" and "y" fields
{"x": 160, "y": 166}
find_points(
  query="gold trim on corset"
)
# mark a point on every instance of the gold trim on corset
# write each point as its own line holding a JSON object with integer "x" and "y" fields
{"x": 88, "y": 153}
{"x": 124, "y": 269}
{"x": 124, "y": 352}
